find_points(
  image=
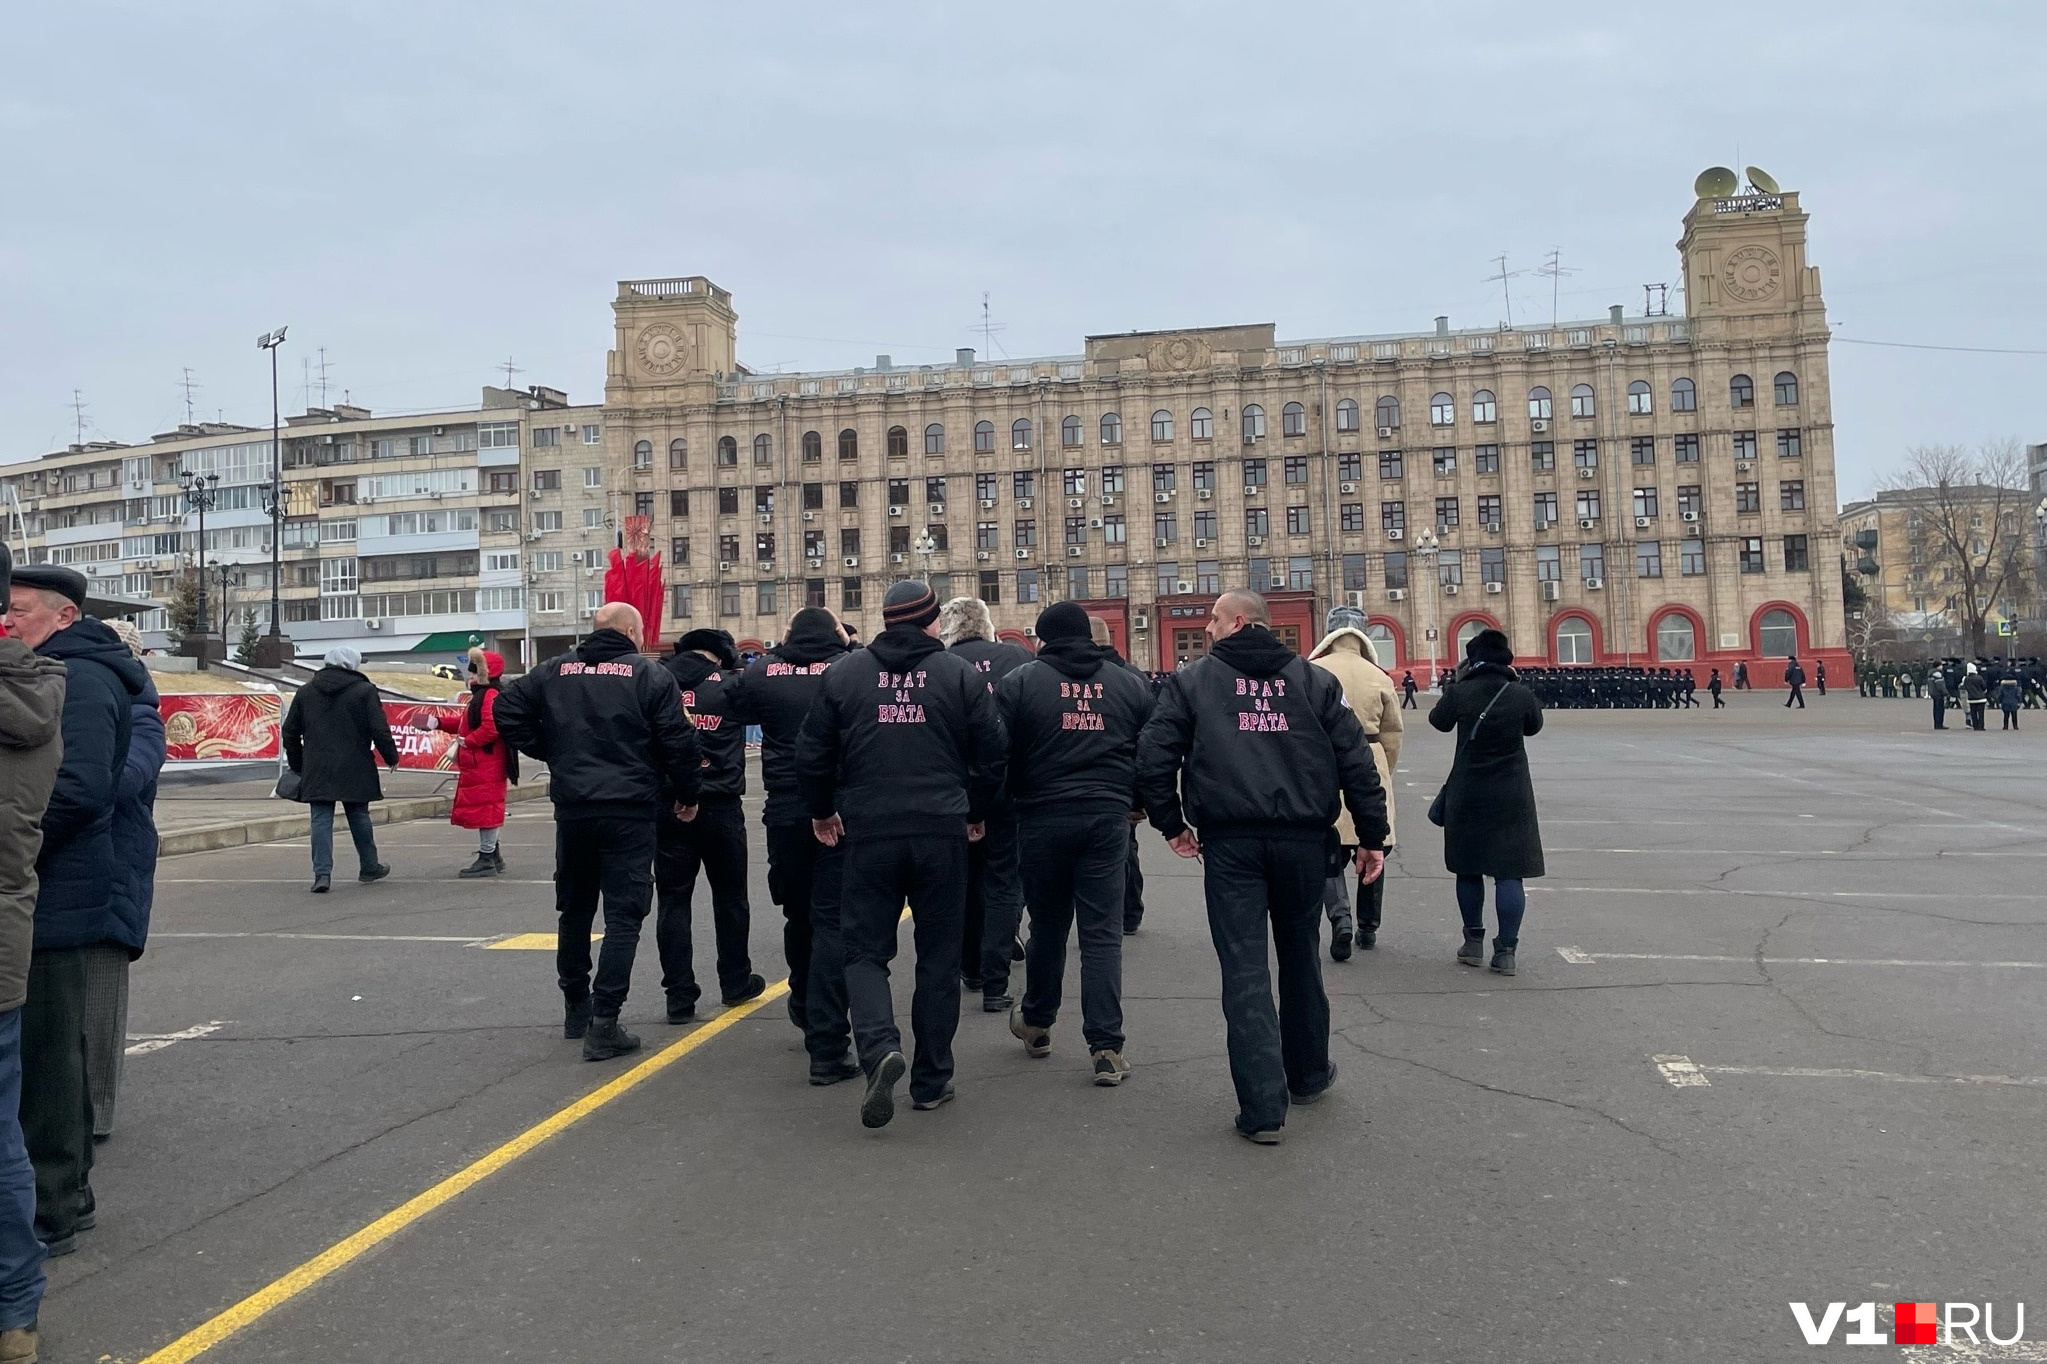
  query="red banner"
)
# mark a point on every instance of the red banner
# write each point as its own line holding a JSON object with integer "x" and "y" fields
{"x": 420, "y": 748}
{"x": 220, "y": 727}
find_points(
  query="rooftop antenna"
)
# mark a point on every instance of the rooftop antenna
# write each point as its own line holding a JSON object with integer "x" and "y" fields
{"x": 510, "y": 369}
{"x": 188, "y": 395}
{"x": 988, "y": 330}
{"x": 306, "y": 379}
{"x": 1554, "y": 270}
{"x": 1656, "y": 300}
{"x": 322, "y": 367}
{"x": 1503, "y": 276}
{"x": 78, "y": 413}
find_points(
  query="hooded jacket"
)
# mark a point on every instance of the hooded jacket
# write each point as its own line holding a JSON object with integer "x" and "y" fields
{"x": 902, "y": 741}
{"x": 775, "y": 692}
{"x": 134, "y": 888}
{"x": 704, "y": 687}
{"x": 333, "y": 724}
{"x": 1349, "y": 655}
{"x": 32, "y": 692}
{"x": 994, "y": 659}
{"x": 102, "y": 680}
{"x": 1073, "y": 715}
{"x": 1266, "y": 743}
{"x": 608, "y": 722}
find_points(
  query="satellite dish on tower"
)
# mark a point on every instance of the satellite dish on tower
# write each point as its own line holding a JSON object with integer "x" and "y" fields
{"x": 1761, "y": 179}
{"x": 1716, "y": 182}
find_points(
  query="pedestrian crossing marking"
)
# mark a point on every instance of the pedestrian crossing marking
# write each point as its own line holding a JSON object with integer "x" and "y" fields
{"x": 529, "y": 942}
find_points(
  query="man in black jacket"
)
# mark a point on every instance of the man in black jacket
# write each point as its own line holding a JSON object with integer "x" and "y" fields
{"x": 902, "y": 756}
{"x": 1073, "y": 716}
{"x": 994, "y": 884}
{"x": 1267, "y": 744}
{"x": 621, "y": 753}
{"x": 704, "y": 664}
{"x": 775, "y": 693}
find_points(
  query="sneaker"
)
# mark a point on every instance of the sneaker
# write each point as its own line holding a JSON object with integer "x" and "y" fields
{"x": 484, "y": 865}
{"x": 1269, "y": 1136}
{"x": 374, "y": 874}
{"x": 322, "y": 884}
{"x": 751, "y": 988}
{"x": 945, "y": 1097}
{"x": 1316, "y": 1096}
{"x": 606, "y": 1039}
{"x": 1037, "y": 1041}
{"x": 1503, "y": 960}
{"x": 1110, "y": 1068}
{"x": 996, "y": 1004}
{"x": 1473, "y": 952}
{"x": 832, "y": 1072}
{"x": 878, "y": 1107}
{"x": 1340, "y": 940}
{"x": 575, "y": 1020}
{"x": 18, "y": 1345}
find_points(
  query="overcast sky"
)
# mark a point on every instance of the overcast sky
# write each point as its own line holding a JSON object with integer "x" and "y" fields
{"x": 428, "y": 189}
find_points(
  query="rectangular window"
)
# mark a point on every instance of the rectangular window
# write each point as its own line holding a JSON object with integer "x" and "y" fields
{"x": 1591, "y": 562}
{"x": 766, "y": 598}
{"x": 899, "y": 539}
{"x": 501, "y": 561}
{"x": 813, "y": 497}
{"x": 987, "y": 535}
{"x": 1168, "y": 578}
{"x": 547, "y": 520}
{"x": 728, "y": 501}
{"x": 1486, "y": 458}
{"x": 1691, "y": 558}
{"x": 899, "y": 492}
{"x": 1648, "y": 559}
{"x": 1077, "y": 583}
{"x": 728, "y": 599}
{"x": 497, "y": 435}
{"x": 813, "y": 592}
{"x": 678, "y": 550}
{"x": 1645, "y": 502}
{"x": 1024, "y": 483}
{"x": 1351, "y": 516}
{"x": 850, "y": 594}
{"x": 1791, "y": 495}
{"x": 1795, "y": 554}
{"x": 502, "y": 522}
{"x": 1588, "y": 504}
{"x": 1354, "y": 575}
{"x": 1300, "y": 573}
{"x": 1549, "y": 564}
{"x": 1204, "y": 525}
{"x": 1026, "y": 586}
{"x": 991, "y": 588}
{"x": 1117, "y": 581}
{"x": 1257, "y": 521}
{"x": 813, "y": 544}
{"x": 1542, "y": 456}
{"x": 593, "y": 435}
{"x": 1642, "y": 449}
{"x": 1450, "y": 568}
{"x": 593, "y": 518}
{"x": 1752, "y": 554}
{"x": 1076, "y": 482}
{"x": 1254, "y": 473}
{"x": 1446, "y": 513}
{"x": 849, "y": 541}
{"x": 1585, "y": 454}
{"x": 1297, "y": 520}
{"x": 1396, "y": 568}
{"x": 678, "y": 455}
{"x": 1204, "y": 475}
{"x": 1545, "y": 510}
{"x": 1492, "y": 564}
{"x": 1686, "y": 449}
{"x": 728, "y": 548}
{"x": 1389, "y": 464}
{"x": 547, "y": 480}
{"x": 1443, "y": 459}
{"x": 1208, "y": 575}
{"x": 1076, "y": 530}
{"x": 678, "y": 502}
{"x": 1788, "y": 444}
{"x": 1350, "y": 466}
{"x": 548, "y": 561}
{"x": 1393, "y": 516}
{"x": 1744, "y": 445}
{"x": 593, "y": 478}
{"x": 1689, "y": 501}
{"x": 1026, "y": 534}
{"x": 544, "y": 438}
{"x": 849, "y": 494}
{"x": 1165, "y": 526}
{"x": 1163, "y": 478}
{"x": 1489, "y": 513}
{"x": 1113, "y": 529}
{"x": 500, "y": 481}
{"x": 987, "y": 486}
{"x": 1112, "y": 479}
{"x": 934, "y": 490}
{"x": 1748, "y": 498}
{"x": 1297, "y": 470}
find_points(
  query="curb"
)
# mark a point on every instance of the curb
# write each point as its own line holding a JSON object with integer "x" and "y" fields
{"x": 210, "y": 837}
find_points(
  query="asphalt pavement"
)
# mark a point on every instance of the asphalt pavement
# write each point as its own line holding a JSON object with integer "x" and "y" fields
{"x": 1777, "y": 1037}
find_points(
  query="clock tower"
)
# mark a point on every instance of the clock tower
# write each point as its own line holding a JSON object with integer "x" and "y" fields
{"x": 1745, "y": 269}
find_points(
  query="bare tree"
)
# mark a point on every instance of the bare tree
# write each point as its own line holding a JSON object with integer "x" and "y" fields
{"x": 1973, "y": 516}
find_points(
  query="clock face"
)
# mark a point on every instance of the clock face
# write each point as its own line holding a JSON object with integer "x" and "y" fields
{"x": 661, "y": 349}
{"x": 1751, "y": 274}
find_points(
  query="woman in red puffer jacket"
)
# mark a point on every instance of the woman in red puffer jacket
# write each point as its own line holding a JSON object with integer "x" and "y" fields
{"x": 484, "y": 763}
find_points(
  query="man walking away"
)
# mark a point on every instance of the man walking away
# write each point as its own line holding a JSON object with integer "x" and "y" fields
{"x": 334, "y": 722}
{"x": 704, "y": 664}
{"x": 1133, "y": 868}
{"x": 608, "y": 722}
{"x": 74, "y": 874}
{"x": 902, "y": 755}
{"x": 775, "y": 693}
{"x": 1263, "y": 744}
{"x": 994, "y": 887}
{"x": 31, "y": 717}
{"x": 1348, "y": 654}
{"x": 1936, "y": 687}
{"x": 1974, "y": 694}
{"x": 1073, "y": 716}
{"x": 1794, "y": 678}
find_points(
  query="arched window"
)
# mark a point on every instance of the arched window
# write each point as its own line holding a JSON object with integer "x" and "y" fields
{"x": 934, "y": 439}
{"x": 1201, "y": 424}
{"x": 763, "y": 449}
{"x": 1466, "y": 633}
{"x": 1741, "y": 391}
{"x": 1538, "y": 404}
{"x": 813, "y": 447}
{"x": 1162, "y": 425}
{"x": 1640, "y": 401}
{"x": 1389, "y": 412}
{"x": 1347, "y": 414}
{"x": 1581, "y": 401}
{"x": 1676, "y": 641}
{"x": 1254, "y": 423}
{"x": 678, "y": 453}
{"x": 1485, "y": 407}
{"x": 1442, "y": 410}
{"x": 728, "y": 450}
{"x": 1293, "y": 420}
{"x": 1787, "y": 389}
{"x": 643, "y": 454}
{"x": 1777, "y": 634}
{"x": 1381, "y": 635}
{"x": 1574, "y": 640}
{"x": 898, "y": 443}
{"x": 1684, "y": 396}
{"x": 1069, "y": 433}
{"x": 849, "y": 444}
{"x": 1020, "y": 434}
{"x": 1112, "y": 429}
{"x": 984, "y": 437}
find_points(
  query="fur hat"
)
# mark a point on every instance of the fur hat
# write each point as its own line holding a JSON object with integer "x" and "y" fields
{"x": 1490, "y": 646}
{"x": 965, "y": 618}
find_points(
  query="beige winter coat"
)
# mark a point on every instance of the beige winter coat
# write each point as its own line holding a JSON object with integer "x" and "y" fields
{"x": 31, "y": 747}
{"x": 1350, "y": 655}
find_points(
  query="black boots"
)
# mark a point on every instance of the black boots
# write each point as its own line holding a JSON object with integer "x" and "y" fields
{"x": 1503, "y": 956}
{"x": 1341, "y": 935}
{"x": 575, "y": 1019}
{"x": 606, "y": 1039}
{"x": 486, "y": 864}
{"x": 1473, "y": 951}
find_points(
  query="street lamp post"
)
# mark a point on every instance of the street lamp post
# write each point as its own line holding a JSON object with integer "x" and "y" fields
{"x": 1425, "y": 550}
{"x": 201, "y": 492}
{"x": 270, "y": 653}
{"x": 230, "y": 576}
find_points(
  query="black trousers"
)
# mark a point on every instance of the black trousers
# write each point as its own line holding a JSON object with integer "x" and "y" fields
{"x": 881, "y": 873}
{"x": 1797, "y": 694}
{"x": 56, "y": 1101}
{"x": 805, "y": 879}
{"x": 1074, "y": 873}
{"x": 1133, "y": 887}
{"x": 715, "y": 841}
{"x": 1260, "y": 887}
{"x": 994, "y": 906}
{"x": 612, "y": 856}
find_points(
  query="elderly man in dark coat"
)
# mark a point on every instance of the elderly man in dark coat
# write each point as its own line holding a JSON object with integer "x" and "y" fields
{"x": 1488, "y": 804}
{"x": 334, "y": 722}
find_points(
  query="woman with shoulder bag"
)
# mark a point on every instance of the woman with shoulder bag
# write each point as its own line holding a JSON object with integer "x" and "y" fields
{"x": 1487, "y": 807}
{"x": 484, "y": 764}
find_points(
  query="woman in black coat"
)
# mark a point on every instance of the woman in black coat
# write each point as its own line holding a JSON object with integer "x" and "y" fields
{"x": 335, "y": 720}
{"x": 1489, "y": 825}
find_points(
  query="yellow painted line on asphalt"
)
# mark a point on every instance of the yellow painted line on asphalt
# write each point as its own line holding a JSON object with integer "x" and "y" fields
{"x": 275, "y": 1294}
{"x": 530, "y": 942}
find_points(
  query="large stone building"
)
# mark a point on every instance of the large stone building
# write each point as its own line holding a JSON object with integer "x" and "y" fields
{"x": 1900, "y": 547}
{"x": 1624, "y": 490}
